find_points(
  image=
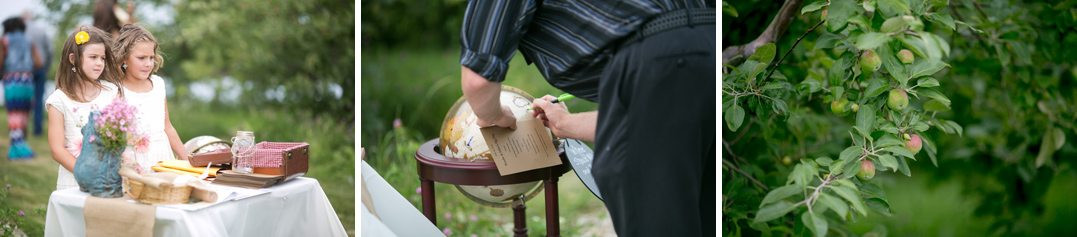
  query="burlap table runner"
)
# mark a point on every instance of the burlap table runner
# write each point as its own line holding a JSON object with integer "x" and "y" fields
{"x": 118, "y": 217}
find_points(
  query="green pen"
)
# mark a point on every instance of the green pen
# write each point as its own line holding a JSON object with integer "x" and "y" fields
{"x": 561, "y": 98}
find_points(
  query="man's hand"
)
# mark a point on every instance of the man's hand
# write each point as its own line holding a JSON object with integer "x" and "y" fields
{"x": 552, "y": 115}
{"x": 505, "y": 120}
{"x": 561, "y": 122}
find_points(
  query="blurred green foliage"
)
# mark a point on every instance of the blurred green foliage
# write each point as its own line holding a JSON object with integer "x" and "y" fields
{"x": 302, "y": 49}
{"x": 412, "y": 23}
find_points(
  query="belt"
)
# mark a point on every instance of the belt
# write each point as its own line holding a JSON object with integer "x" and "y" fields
{"x": 672, "y": 20}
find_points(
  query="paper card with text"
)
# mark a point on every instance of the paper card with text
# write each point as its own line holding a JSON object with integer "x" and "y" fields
{"x": 528, "y": 147}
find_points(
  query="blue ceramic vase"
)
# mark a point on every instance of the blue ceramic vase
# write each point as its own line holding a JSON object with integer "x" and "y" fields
{"x": 97, "y": 170}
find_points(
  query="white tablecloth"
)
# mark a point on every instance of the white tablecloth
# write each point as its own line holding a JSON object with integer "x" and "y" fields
{"x": 298, "y": 207}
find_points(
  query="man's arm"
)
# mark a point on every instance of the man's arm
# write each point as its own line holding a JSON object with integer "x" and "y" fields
{"x": 484, "y": 96}
{"x": 489, "y": 36}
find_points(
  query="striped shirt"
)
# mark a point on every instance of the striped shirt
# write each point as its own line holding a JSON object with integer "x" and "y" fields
{"x": 569, "y": 41}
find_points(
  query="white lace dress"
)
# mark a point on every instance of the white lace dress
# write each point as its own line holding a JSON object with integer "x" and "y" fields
{"x": 151, "y": 123}
{"x": 76, "y": 115}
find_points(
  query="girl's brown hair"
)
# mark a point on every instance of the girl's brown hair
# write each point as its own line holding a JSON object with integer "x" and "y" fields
{"x": 131, "y": 34}
{"x": 69, "y": 75}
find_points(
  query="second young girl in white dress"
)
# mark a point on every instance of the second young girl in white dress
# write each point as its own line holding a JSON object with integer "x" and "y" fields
{"x": 136, "y": 51}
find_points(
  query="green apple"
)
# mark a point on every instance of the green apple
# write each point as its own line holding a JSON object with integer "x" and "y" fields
{"x": 867, "y": 169}
{"x": 870, "y": 61}
{"x": 914, "y": 143}
{"x": 905, "y": 56}
{"x": 898, "y": 99}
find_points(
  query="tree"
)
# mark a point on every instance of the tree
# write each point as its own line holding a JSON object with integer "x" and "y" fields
{"x": 874, "y": 67}
{"x": 990, "y": 91}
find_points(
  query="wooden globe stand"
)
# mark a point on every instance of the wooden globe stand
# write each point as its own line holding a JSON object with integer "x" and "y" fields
{"x": 434, "y": 167}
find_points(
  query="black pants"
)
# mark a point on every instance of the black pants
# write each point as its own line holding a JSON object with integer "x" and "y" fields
{"x": 655, "y": 146}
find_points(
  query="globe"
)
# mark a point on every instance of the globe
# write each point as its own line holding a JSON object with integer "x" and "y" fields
{"x": 460, "y": 138}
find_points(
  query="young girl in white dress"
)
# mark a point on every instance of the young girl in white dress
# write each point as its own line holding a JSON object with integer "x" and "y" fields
{"x": 84, "y": 83}
{"x": 137, "y": 55}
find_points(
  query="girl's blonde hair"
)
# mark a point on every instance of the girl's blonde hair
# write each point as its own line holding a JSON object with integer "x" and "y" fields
{"x": 69, "y": 75}
{"x": 131, "y": 34}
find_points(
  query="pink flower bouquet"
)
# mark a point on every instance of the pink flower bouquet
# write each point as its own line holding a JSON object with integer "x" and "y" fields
{"x": 115, "y": 126}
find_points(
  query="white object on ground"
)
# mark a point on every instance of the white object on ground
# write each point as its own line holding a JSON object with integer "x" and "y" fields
{"x": 397, "y": 215}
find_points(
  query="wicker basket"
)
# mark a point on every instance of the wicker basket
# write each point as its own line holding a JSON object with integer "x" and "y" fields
{"x": 162, "y": 193}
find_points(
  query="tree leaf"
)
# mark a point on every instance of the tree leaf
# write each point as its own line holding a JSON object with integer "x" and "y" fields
{"x": 920, "y": 126}
{"x": 927, "y": 82}
{"x": 815, "y": 6}
{"x": 942, "y": 18}
{"x": 802, "y": 175}
{"x": 852, "y": 197}
{"x": 889, "y": 162}
{"x": 728, "y": 9}
{"x": 930, "y": 148}
{"x": 1047, "y": 147}
{"x": 850, "y": 169}
{"x": 850, "y": 154}
{"x": 879, "y": 205}
{"x": 764, "y": 54}
{"x": 901, "y": 151}
{"x": 835, "y": 204}
{"x": 839, "y": 13}
{"x": 734, "y": 116}
{"x": 837, "y": 91}
{"x": 904, "y": 167}
{"x": 892, "y": 65}
{"x": 824, "y": 161}
{"x": 845, "y": 161}
{"x": 871, "y": 40}
{"x": 890, "y": 8}
{"x": 876, "y": 87}
{"x": 935, "y": 106}
{"x": 751, "y": 68}
{"x": 865, "y": 119}
{"x": 955, "y": 126}
{"x": 815, "y": 222}
{"x": 887, "y": 141}
{"x": 781, "y": 193}
{"x": 774, "y": 211}
{"x": 894, "y": 24}
{"x": 772, "y": 85}
{"x": 931, "y": 93}
{"x": 925, "y": 67}
{"x": 826, "y": 41}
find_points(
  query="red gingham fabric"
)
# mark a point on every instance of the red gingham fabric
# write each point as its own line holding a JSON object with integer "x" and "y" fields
{"x": 270, "y": 154}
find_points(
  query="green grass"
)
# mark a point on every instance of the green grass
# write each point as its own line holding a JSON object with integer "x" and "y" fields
{"x": 332, "y": 158}
{"x": 418, "y": 87}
